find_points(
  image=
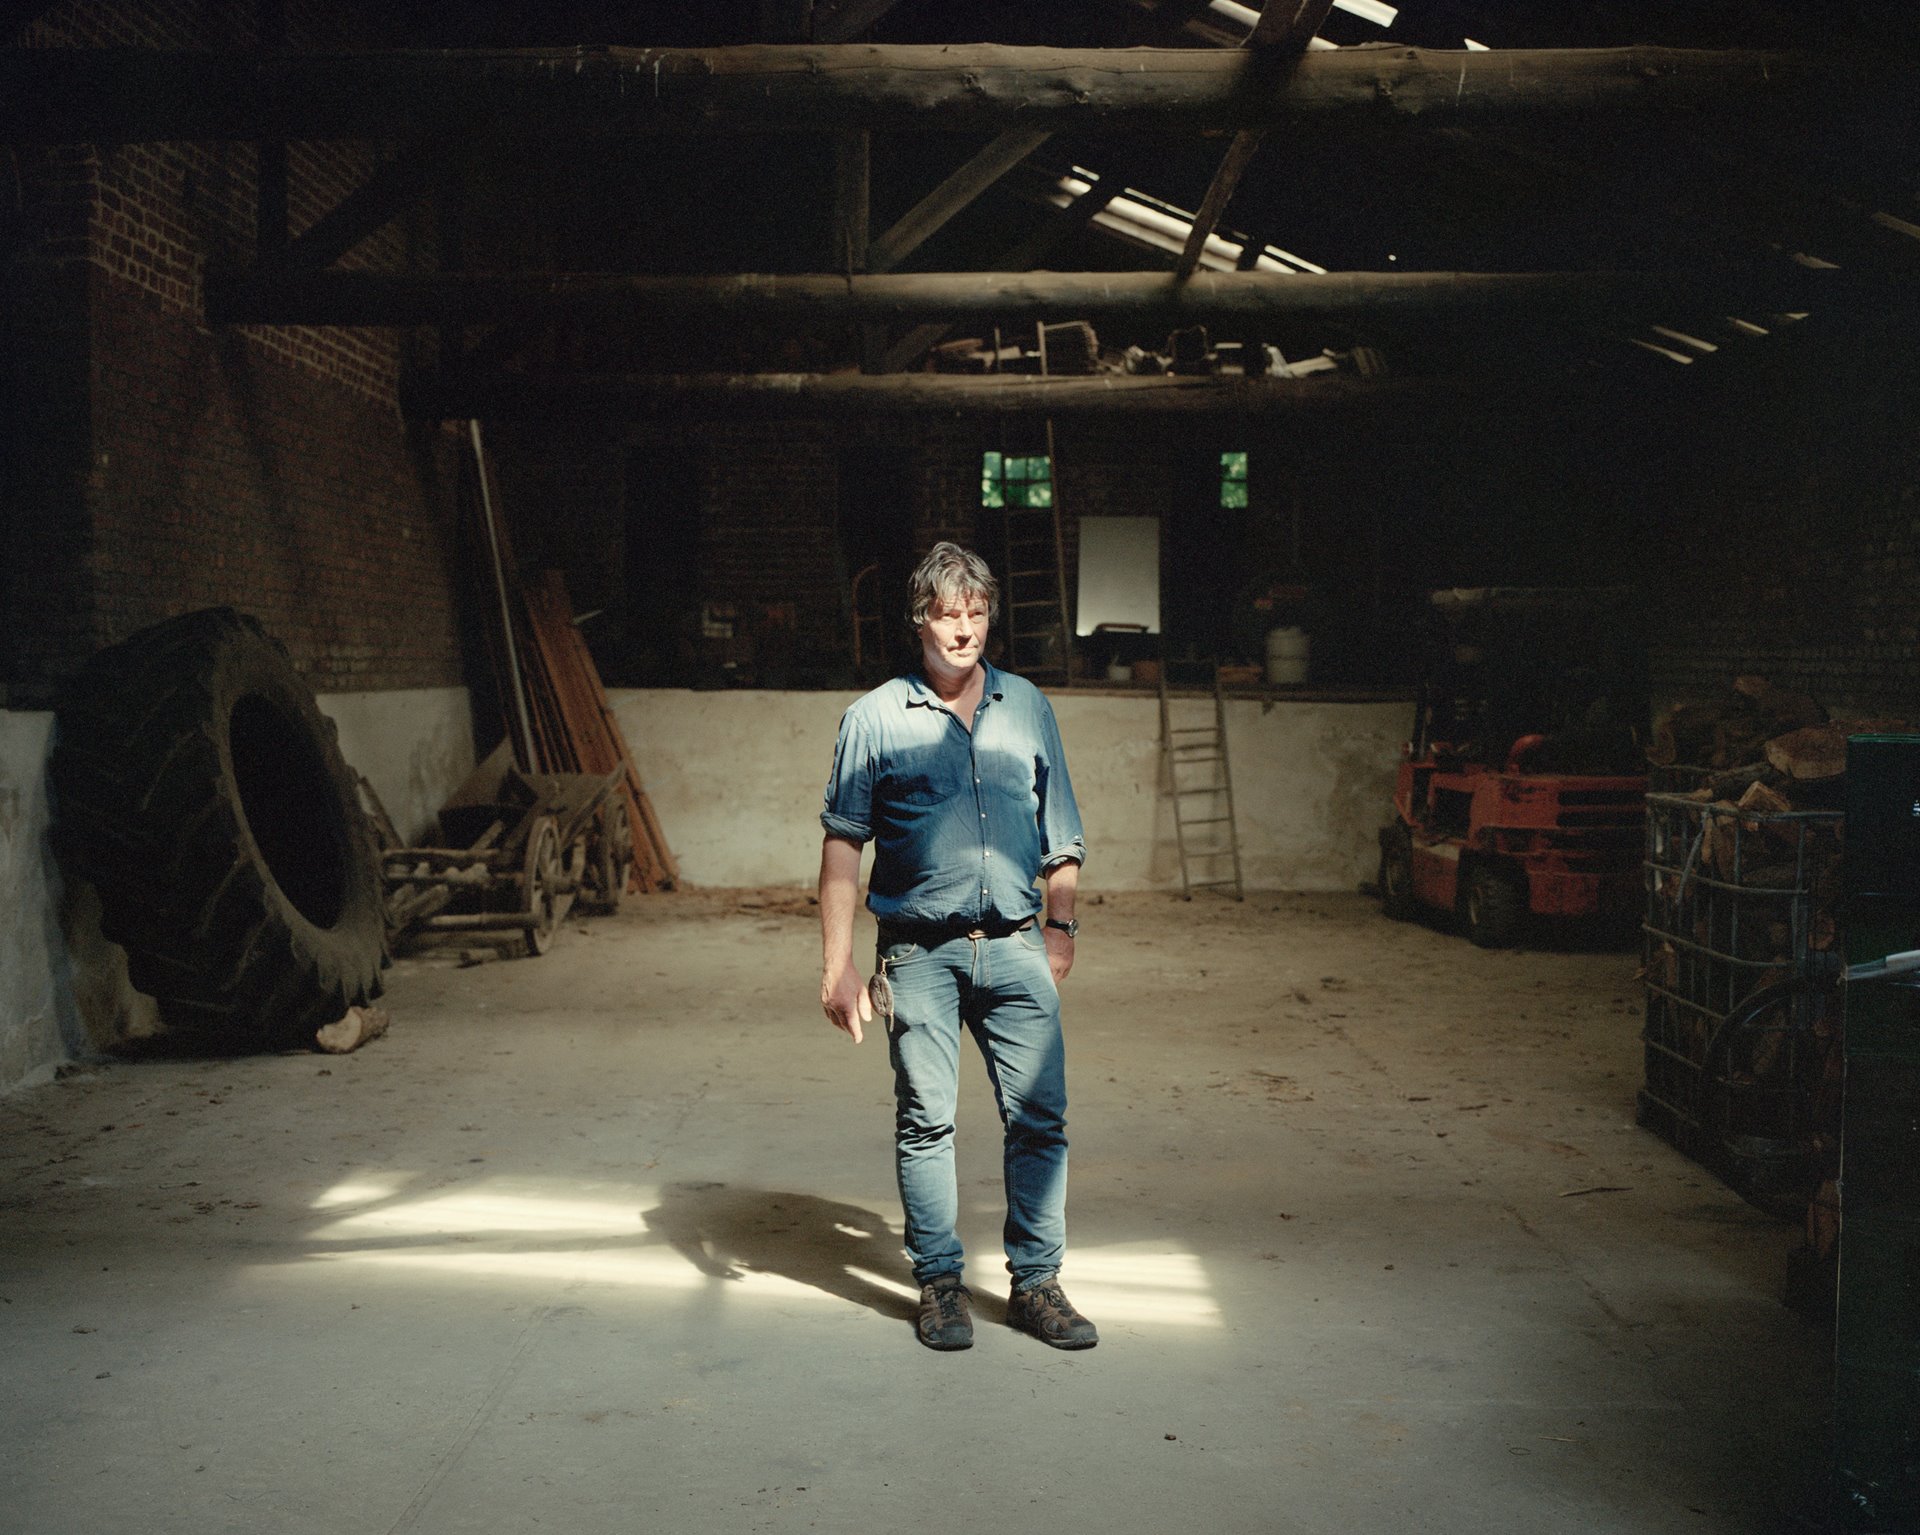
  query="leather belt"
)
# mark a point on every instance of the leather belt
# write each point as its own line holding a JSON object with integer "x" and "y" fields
{"x": 929, "y": 935}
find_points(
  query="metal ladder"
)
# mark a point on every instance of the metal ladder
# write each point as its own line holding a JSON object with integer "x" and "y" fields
{"x": 1203, "y": 747}
{"x": 1036, "y": 584}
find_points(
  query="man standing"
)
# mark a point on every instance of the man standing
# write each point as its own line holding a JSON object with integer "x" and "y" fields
{"x": 956, "y": 774}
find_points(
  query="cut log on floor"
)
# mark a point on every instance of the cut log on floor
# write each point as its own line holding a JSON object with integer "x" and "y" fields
{"x": 350, "y": 1032}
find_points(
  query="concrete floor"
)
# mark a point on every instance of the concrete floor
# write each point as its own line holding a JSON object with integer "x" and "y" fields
{"x": 608, "y": 1241}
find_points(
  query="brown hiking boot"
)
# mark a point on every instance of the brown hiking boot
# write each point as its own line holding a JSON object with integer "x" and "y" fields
{"x": 945, "y": 1322}
{"x": 1045, "y": 1311}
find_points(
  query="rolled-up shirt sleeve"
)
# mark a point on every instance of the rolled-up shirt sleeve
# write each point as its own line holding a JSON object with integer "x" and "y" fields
{"x": 1062, "y": 839}
{"x": 848, "y": 811}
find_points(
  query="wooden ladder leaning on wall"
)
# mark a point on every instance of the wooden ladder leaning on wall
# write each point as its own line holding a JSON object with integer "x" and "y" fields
{"x": 1036, "y": 577}
{"x": 1193, "y": 758}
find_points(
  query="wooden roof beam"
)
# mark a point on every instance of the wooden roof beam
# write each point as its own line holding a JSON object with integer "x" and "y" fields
{"x": 577, "y": 397}
{"x": 1278, "y": 39}
{"x": 960, "y": 190}
{"x": 1026, "y": 254}
{"x": 470, "y": 298}
{"x": 118, "y": 95}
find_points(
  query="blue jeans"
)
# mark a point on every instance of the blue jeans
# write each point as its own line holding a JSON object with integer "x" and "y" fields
{"x": 1002, "y": 991}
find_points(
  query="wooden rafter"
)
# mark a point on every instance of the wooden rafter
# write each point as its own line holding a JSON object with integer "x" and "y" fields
{"x": 130, "y": 95}
{"x": 1279, "y": 38}
{"x": 1053, "y": 233}
{"x": 408, "y": 298}
{"x": 577, "y": 397}
{"x": 852, "y": 170}
{"x": 960, "y": 190}
{"x": 364, "y": 211}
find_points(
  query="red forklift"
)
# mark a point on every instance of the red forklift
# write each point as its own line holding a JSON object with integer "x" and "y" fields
{"x": 1521, "y": 793}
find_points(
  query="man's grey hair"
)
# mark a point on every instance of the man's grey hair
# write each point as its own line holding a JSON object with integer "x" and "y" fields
{"x": 947, "y": 572}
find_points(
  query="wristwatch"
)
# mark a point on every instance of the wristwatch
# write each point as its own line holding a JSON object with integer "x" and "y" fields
{"x": 1071, "y": 927}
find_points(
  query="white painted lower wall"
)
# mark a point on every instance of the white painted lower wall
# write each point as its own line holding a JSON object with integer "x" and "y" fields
{"x": 415, "y": 746}
{"x": 737, "y": 778}
{"x": 35, "y": 988}
{"x": 63, "y": 988}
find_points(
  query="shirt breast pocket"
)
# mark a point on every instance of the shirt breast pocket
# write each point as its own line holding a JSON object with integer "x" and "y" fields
{"x": 917, "y": 789}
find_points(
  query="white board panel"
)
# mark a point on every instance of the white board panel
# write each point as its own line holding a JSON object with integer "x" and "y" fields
{"x": 1119, "y": 573}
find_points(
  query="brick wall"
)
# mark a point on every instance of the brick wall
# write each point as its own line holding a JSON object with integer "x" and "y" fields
{"x": 560, "y": 495}
{"x": 772, "y": 501}
{"x": 155, "y": 214}
{"x": 1791, "y": 530}
{"x": 162, "y": 465}
{"x": 228, "y": 474}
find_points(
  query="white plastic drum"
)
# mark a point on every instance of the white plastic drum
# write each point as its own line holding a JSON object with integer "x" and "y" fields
{"x": 1287, "y": 652}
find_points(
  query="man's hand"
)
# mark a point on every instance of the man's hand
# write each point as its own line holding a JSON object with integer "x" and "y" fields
{"x": 1059, "y": 953}
{"x": 845, "y": 999}
{"x": 841, "y": 992}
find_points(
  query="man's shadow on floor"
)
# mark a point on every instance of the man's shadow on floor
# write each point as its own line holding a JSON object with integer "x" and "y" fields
{"x": 729, "y": 1230}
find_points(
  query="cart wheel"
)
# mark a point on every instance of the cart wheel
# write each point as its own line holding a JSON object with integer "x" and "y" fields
{"x": 1396, "y": 873}
{"x": 612, "y": 855}
{"x": 540, "y": 892}
{"x": 1496, "y": 907}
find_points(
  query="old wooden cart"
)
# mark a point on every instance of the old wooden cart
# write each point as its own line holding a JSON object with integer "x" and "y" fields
{"x": 520, "y": 849}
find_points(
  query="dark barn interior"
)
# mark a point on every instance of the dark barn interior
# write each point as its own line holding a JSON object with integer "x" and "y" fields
{"x": 677, "y": 334}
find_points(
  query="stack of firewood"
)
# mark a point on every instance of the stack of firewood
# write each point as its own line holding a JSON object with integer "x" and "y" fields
{"x": 1781, "y": 741}
{"x": 1758, "y": 762}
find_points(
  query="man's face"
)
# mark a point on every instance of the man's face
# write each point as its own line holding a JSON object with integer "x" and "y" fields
{"x": 954, "y": 636}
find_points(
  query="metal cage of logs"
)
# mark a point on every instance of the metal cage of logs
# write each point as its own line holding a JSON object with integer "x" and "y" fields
{"x": 1737, "y": 902}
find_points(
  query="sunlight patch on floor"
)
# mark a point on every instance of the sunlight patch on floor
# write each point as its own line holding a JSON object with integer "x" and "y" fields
{"x": 1138, "y": 1283}
{"x": 520, "y": 1230}
{"x": 498, "y": 1206}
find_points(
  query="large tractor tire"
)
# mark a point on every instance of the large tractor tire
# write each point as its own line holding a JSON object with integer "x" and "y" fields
{"x": 200, "y": 789}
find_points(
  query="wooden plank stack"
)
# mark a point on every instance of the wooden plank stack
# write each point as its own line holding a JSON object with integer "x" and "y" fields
{"x": 572, "y": 725}
{"x": 579, "y": 733}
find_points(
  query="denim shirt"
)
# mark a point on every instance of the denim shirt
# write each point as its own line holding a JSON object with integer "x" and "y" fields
{"x": 961, "y": 821}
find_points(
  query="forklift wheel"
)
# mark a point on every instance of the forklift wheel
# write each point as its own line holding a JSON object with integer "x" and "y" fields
{"x": 1496, "y": 907}
{"x": 1396, "y": 873}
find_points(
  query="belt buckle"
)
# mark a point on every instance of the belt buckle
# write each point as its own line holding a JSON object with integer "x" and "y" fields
{"x": 976, "y": 933}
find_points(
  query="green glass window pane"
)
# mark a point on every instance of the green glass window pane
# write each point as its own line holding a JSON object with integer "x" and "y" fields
{"x": 990, "y": 466}
{"x": 990, "y": 496}
{"x": 1039, "y": 493}
{"x": 1040, "y": 468}
{"x": 1233, "y": 466}
{"x": 1233, "y": 494}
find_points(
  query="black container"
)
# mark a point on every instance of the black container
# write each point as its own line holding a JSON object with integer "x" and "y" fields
{"x": 1877, "y": 1320}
